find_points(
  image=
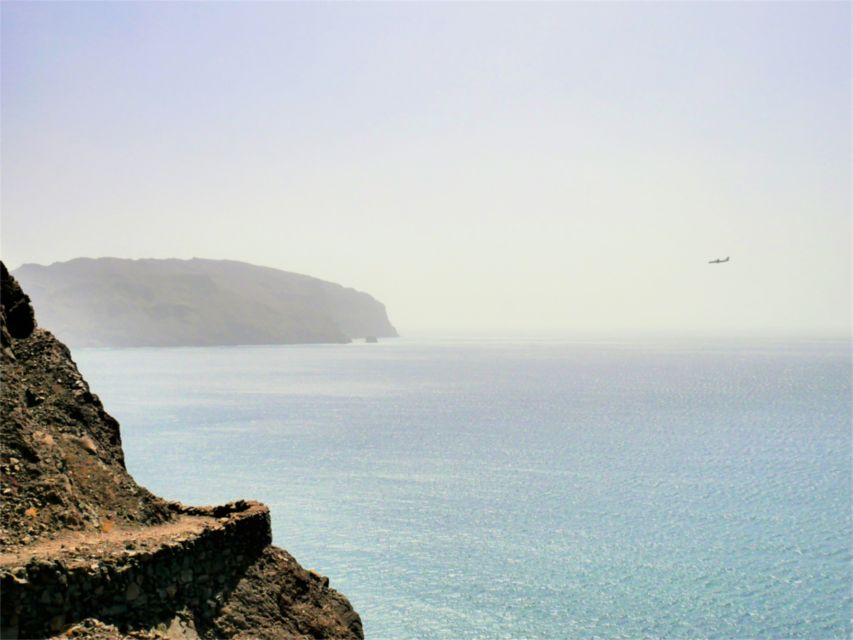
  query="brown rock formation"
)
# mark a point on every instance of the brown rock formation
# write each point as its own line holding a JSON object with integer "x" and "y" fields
{"x": 86, "y": 552}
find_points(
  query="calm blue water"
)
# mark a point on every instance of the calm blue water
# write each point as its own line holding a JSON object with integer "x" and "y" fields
{"x": 522, "y": 489}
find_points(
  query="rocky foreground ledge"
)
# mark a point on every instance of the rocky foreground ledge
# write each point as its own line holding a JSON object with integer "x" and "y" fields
{"x": 86, "y": 552}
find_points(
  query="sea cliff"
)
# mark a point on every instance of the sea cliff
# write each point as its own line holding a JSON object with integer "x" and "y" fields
{"x": 111, "y": 302}
{"x": 87, "y": 552}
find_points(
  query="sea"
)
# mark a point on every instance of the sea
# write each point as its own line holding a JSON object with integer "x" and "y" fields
{"x": 540, "y": 488}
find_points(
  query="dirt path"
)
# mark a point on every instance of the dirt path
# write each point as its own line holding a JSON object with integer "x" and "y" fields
{"x": 76, "y": 548}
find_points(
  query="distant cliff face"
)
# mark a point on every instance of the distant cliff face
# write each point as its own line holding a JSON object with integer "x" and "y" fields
{"x": 115, "y": 302}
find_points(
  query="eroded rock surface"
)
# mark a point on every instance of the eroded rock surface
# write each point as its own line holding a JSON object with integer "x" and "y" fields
{"x": 87, "y": 552}
{"x": 62, "y": 465}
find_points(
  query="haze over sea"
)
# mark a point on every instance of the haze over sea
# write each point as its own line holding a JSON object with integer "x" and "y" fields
{"x": 457, "y": 489}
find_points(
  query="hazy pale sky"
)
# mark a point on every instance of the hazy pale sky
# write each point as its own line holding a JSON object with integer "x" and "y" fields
{"x": 501, "y": 167}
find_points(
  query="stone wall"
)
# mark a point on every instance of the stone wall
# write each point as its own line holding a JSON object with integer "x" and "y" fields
{"x": 139, "y": 589}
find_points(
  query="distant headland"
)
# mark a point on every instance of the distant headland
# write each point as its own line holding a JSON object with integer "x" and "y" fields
{"x": 112, "y": 302}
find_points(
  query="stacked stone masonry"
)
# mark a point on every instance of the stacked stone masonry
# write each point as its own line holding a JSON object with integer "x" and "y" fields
{"x": 140, "y": 589}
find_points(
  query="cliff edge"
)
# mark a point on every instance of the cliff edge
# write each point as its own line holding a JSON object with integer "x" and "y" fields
{"x": 87, "y": 552}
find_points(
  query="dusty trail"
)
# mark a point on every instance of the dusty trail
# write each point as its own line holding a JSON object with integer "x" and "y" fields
{"x": 75, "y": 548}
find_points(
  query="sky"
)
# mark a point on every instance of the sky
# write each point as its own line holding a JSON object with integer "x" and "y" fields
{"x": 561, "y": 167}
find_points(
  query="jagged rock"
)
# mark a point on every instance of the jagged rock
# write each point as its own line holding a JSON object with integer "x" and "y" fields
{"x": 86, "y": 552}
{"x": 18, "y": 317}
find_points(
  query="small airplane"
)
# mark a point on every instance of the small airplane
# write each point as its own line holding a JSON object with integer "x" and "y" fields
{"x": 718, "y": 261}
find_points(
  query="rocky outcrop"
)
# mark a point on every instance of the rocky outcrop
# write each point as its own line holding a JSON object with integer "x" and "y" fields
{"x": 18, "y": 318}
{"x": 86, "y": 552}
{"x": 119, "y": 303}
{"x": 62, "y": 465}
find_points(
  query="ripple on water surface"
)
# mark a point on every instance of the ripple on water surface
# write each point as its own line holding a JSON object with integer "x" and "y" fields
{"x": 522, "y": 489}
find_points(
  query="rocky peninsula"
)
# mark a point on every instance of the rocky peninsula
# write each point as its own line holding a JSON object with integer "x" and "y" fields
{"x": 87, "y": 552}
{"x": 111, "y": 302}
